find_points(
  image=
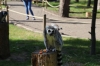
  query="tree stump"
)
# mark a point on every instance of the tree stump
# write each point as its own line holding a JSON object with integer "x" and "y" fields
{"x": 98, "y": 7}
{"x": 40, "y": 58}
{"x": 4, "y": 40}
{"x": 88, "y": 14}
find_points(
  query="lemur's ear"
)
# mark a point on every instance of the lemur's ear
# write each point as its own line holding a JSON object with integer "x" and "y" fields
{"x": 3, "y": 15}
{"x": 4, "y": 12}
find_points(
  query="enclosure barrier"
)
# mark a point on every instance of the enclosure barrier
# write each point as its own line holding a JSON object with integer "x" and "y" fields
{"x": 4, "y": 35}
{"x": 50, "y": 4}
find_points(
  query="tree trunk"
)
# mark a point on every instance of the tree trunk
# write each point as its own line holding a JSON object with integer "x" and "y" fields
{"x": 64, "y": 8}
{"x": 4, "y": 40}
{"x": 40, "y": 58}
{"x": 77, "y": 1}
{"x": 93, "y": 37}
{"x": 89, "y": 3}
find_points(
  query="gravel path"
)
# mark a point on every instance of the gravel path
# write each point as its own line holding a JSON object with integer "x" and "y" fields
{"x": 71, "y": 27}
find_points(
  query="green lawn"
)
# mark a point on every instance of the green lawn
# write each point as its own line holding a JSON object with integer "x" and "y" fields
{"x": 76, "y": 52}
{"x": 77, "y": 10}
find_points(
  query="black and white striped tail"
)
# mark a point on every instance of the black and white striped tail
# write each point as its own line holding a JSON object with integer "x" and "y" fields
{"x": 59, "y": 58}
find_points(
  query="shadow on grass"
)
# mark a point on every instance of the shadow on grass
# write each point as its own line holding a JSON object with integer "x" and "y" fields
{"x": 81, "y": 2}
{"x": 78, "y": 50}
{"x": 21, "y": 52}
{"x": 74, "y": 50}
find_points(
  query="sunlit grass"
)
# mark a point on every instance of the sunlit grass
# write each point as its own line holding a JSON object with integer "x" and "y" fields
{"x": 23, "y": 42}
{"x": 77, "y": 10}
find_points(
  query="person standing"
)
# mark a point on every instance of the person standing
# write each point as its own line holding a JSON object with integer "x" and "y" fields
{"x": 28, "y": 4}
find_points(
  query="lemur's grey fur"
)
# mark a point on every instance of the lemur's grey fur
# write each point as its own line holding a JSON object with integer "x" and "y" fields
{"x": 53, "y": 41}
{"x": 52, "y": 38}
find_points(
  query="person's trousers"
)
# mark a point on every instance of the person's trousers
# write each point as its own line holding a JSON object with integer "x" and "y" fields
{"x": 28, "y": 4}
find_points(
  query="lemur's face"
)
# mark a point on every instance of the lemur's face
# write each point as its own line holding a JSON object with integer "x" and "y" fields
{"x": 50, "y": 31}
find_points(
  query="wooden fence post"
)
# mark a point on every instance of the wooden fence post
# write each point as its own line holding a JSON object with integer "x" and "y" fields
{"x": 46, "y": 4}
{"x": 36, "y": 2}
{"x": 4, "y": 38}
{"x": 44, "y": 21}
{"x": 0, "y": 5}
{"x": 8, "y": 14}
{"x": 42, "y": 2}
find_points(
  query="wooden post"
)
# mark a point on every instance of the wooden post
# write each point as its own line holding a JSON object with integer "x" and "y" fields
{"x": 36, "y": 2}
{"x": 46, "y": 4}
{"x": 44, "y": 21}
{"x": 40, "y": 58}
{"x": 98, "y": 5}
{"x": 32, "y": 1}
{"x": 6, "y": 2}
{"x": 4, "y": 40}
{"x": 8, "y": 14}
{"x": 42, "y": 2}
{"x": 0, "y": 5}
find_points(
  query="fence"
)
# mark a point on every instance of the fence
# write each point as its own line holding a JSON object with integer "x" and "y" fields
{"x": 4, "y": 33}
{"x": 70, "y": 25}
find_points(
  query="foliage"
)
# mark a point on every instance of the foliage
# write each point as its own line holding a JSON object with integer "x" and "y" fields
{"x": 76, "y": 52}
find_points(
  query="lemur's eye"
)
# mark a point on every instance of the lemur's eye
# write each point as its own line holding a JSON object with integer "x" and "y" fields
{"x": 52, "y": 30}
{"x": 49, "y": 30}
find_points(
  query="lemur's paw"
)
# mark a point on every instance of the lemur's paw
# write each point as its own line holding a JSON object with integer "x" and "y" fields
{"x": 47, "y": 50}
{"x": 44, "y": 50}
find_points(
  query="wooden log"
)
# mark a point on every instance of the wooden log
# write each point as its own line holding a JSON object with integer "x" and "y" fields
{"x": 40, "y": 58}
{"x": 88, "y": 14}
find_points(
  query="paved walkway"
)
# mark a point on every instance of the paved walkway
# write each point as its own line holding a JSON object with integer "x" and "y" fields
{"x": 71, "y": 26}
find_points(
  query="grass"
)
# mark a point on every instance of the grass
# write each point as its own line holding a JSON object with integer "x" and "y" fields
{"x": 79, "y": 52}
{"x": 22, "y": 44}
{"x": 77, "y": 10}
{"x": 2, "y": 6}
{"x": 76, "y": 52}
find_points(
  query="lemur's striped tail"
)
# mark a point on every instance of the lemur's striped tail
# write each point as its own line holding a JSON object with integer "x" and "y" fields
{"x": 59, "y": 58}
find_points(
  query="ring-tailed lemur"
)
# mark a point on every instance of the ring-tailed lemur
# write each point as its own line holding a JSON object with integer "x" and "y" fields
{"x": 53, "y": 41}
{"x": 3, "y": 15}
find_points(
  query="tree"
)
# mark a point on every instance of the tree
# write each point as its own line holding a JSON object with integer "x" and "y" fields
{"x": 93, "y": 38}
{"x": 89, "y": 3}
{"x": 77, "y": 1}
{"x": 64, "y": 8}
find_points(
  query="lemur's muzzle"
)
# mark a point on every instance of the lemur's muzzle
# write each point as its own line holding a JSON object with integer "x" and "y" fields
{"x": 50, "y": 31}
